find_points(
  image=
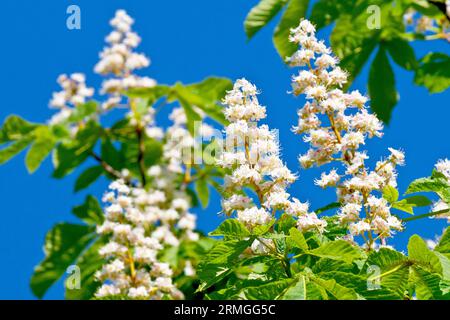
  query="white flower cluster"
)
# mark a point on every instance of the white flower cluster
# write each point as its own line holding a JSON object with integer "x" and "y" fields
{"x": 139, "y": 224}
{"x": 73, "y": 93}
{"x": 119, "y": 60}
{"x": 253, "y": 155}
{"x": 179, "y": 143}
{"x": 142, "y": 222}
{"x": 443, "y": 167}
{"x": 431, "y": 28}
{"x": 336, "y": 124}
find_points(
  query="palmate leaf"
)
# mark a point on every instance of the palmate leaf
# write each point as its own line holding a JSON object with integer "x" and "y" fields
{"x": 261, "y": 14}
{"x": 63, "y": 244}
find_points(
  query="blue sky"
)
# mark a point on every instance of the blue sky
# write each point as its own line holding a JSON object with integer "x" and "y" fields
{"x": 187, "y": 41}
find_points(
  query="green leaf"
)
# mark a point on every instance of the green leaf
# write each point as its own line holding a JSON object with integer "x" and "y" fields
{"x": 390, "y": 194}
{"x": 393, "y": 267}
{"x": 15, "y": 128}
{"x": 211, "y": 90}
{"x": 419, "y": 252}
{"x": 298, "y": 239}
{"x": 353, "y": 43}
{"x": 43, "y": 144}
{"x": 192, "y": 116}
{"x": 89, "y": 263}
{"x": 334, "y": 229}
{"x": 153, "y": 94}
{"x": 402, "y": 53}
{"x": 202, "y": 190}
{"x": 153, "y": 152}
{"x": 418, "y": 201}
{"x": 427, "y": 284}
{"x": 404, "y": 206}
{"x": 382, "y": 90}
{"x": 63, "y": 244}
{"x": 14, "y": 148}
{"x": 338, "y": 250}
{"x": 70, "y": 155}
{"x": 444, "y": 243}
{"x": 325, "y": 12}
{"x": 295, "y": 10}
{"x": 284, "y": 223}
{"x": 260, "y": 15}
{"x": 408, "y": 204}
{"x": 111, "y": 155}
{"x": 89, "y": 176}
{"x": 81, "y": 111}
{"x": 359, "y": 284}
{"x": 296, "y": 291}
{"x": 219, "y": 261}
{"x": 336, "y": 290}
{"x": 434, "y": 72}
{"x": 270, "y": 291}
{"x": 432, "y": 184}
{"x": 231, "y": 228}
{"x": 204, "y": 95}
{"x": 130, "y": 151}
{"x": 90, "y": 211}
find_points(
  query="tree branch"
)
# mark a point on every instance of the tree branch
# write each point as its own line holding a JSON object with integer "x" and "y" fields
{"x": 430, "y": 214}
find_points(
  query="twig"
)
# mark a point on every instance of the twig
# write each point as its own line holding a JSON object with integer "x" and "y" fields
{"x": 425, "y": 215}
{"x": 106, "y": 166}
